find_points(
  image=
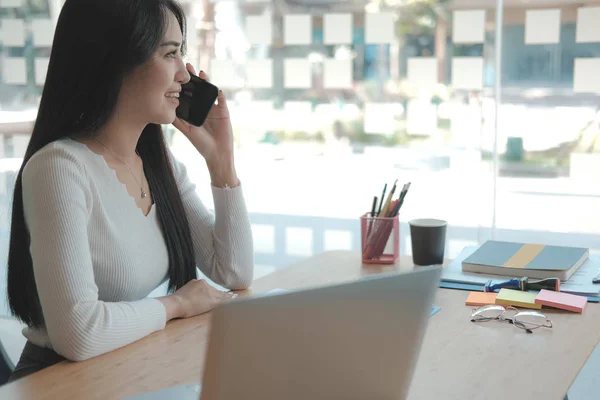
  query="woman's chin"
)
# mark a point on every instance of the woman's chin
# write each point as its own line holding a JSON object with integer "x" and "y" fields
{"x": 166, "y": 118}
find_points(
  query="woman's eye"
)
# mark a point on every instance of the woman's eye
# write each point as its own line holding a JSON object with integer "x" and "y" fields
{"x": 172, "y": 54}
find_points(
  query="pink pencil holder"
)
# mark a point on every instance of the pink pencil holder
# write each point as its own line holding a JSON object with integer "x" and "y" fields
{"x": 380, "y": 239}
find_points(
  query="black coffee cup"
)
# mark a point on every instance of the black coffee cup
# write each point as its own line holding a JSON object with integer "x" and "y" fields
{"x": 428, "y": 238}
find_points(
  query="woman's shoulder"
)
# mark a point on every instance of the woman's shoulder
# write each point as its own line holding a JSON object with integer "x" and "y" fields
{"x": 60, "y": 155}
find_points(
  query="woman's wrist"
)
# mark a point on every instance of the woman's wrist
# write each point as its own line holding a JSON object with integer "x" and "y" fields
{"x": 222, "y": 173}
{"x": 172, "y": 305}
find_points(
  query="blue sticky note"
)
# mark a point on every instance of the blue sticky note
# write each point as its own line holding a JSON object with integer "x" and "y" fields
{"x": 434, "y": 310}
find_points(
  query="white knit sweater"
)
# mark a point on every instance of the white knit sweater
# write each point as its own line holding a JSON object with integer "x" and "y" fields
{"x": 96, "y": 257}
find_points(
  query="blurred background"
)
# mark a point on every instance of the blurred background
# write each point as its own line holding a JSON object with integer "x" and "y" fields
{"x": 494, "y": 124}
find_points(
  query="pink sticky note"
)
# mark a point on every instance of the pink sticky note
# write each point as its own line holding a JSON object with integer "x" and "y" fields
{"x": 564, "y": 301}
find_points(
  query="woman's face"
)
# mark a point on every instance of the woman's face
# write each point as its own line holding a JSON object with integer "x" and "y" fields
{"x": 151, "y": 91}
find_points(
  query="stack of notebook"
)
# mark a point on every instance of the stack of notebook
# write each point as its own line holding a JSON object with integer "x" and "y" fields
{"x": 525, "y": 260}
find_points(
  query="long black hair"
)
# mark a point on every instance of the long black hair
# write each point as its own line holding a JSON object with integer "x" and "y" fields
{"x": 97, "y": 43}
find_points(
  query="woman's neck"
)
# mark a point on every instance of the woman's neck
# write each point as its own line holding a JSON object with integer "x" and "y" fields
{"x": 121, "y": 138}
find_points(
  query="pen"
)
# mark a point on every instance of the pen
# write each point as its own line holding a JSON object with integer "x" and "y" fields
{"x": 373, "y": 207}
{"x": 397, "y": 208}
{"x": 403, "y": 195}
{"x": 381, "y": 201}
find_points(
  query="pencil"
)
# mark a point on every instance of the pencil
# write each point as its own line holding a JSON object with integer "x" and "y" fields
{"x": 389, "y": 199}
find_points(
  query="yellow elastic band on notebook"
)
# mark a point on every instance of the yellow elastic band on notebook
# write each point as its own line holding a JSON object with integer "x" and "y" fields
{"x": 524, "y": 256}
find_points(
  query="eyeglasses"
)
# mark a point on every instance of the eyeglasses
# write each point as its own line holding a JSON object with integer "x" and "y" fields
{"x": 526, "y": 320}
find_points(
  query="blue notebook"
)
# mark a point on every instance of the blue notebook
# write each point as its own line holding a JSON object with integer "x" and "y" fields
{"x": 525, "y": 260}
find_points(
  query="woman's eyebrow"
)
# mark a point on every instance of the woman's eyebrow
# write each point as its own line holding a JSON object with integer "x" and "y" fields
{"x": 171, "y": 43}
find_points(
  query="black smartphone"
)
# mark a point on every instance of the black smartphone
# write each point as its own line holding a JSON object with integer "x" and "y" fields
{"x": 196, "y": 99}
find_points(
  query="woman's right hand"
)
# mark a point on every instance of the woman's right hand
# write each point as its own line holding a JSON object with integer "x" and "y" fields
{"x": 194, "y": 298}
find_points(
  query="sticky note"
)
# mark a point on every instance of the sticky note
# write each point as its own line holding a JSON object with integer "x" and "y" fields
{"x": 337, "y": 29}
{"x": 260, "y": 73}
{"x": 259, "y": 29}
{"x": 12, "y": 3}
{"x": 517, "y": 298}
{"x": 260, "y": 107}
{"x": 43, "y": 32}
{"x": 13, "y": 32}
{"x": 245, "y": 114}
{"x": 299, "y": 114}
{"x": 379, "y": 28}
{"x": 468, "y": 26}
{"x": 337, "y": 74}
{"x": 481, "y": 298}
{"x": 465, "y": 125}
{"x": 380, "y": 117}
{"x": 222, "y": 73}
{"x": 297, "y": 29}
{"x": 41, "y": 68}
{"x": 467, "y": 73}
{"x": 422, "y": 72}
{"x": 560, "y": 300}
{"x": 15, "y": 71}
{"x": 326, "y": 110}
{"x": 421, "y": 117}
{"x": 542, "y": 26}
{"x": 588, "y": 29}
{"x": 585, "y": 75}
{"x": 297, "y": 73}
{"x": 298, "y": 107}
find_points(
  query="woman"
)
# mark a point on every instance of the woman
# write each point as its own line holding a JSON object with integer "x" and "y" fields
{"x": 103, "y": 213}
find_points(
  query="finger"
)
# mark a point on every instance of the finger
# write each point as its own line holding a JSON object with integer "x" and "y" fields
{"x": 181, "y": 125}
{"x": 221, "y": 99}
{"x": 203, "y": 75}
{"x": 191, "y": 68}
{"x": 228, "y": 295}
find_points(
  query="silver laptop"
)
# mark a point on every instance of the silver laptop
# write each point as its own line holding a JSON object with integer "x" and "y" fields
{"x": 358, "y": 340}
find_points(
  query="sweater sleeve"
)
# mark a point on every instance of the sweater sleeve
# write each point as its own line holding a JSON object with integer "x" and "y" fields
{"x": 223, "y": 244}
{"x": 57, "y": 202}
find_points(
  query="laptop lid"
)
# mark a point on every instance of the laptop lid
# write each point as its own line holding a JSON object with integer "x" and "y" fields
{"x": 358, "y": 340}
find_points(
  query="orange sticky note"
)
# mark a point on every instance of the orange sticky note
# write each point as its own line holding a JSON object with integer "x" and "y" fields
{"x": 481, "y": 298}
{"x": 563, "y": 301}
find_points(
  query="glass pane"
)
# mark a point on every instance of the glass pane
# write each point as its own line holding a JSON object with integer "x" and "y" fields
{"x": 329, "y": 106}
{"x": 548, "y": 126}
{"x": 19, "y": 94}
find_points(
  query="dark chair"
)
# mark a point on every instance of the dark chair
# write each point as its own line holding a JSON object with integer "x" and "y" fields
{"x": 12, "y": 342}
{"x": 6, "y": 365}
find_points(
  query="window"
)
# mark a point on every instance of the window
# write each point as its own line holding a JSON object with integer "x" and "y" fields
{"x": 330, "y": 100}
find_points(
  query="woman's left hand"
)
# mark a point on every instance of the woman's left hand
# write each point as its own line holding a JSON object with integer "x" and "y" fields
{"x": 214, "y": 139}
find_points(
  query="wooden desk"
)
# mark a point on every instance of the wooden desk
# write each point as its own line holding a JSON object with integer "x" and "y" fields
{"x": 459, "y": 359}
